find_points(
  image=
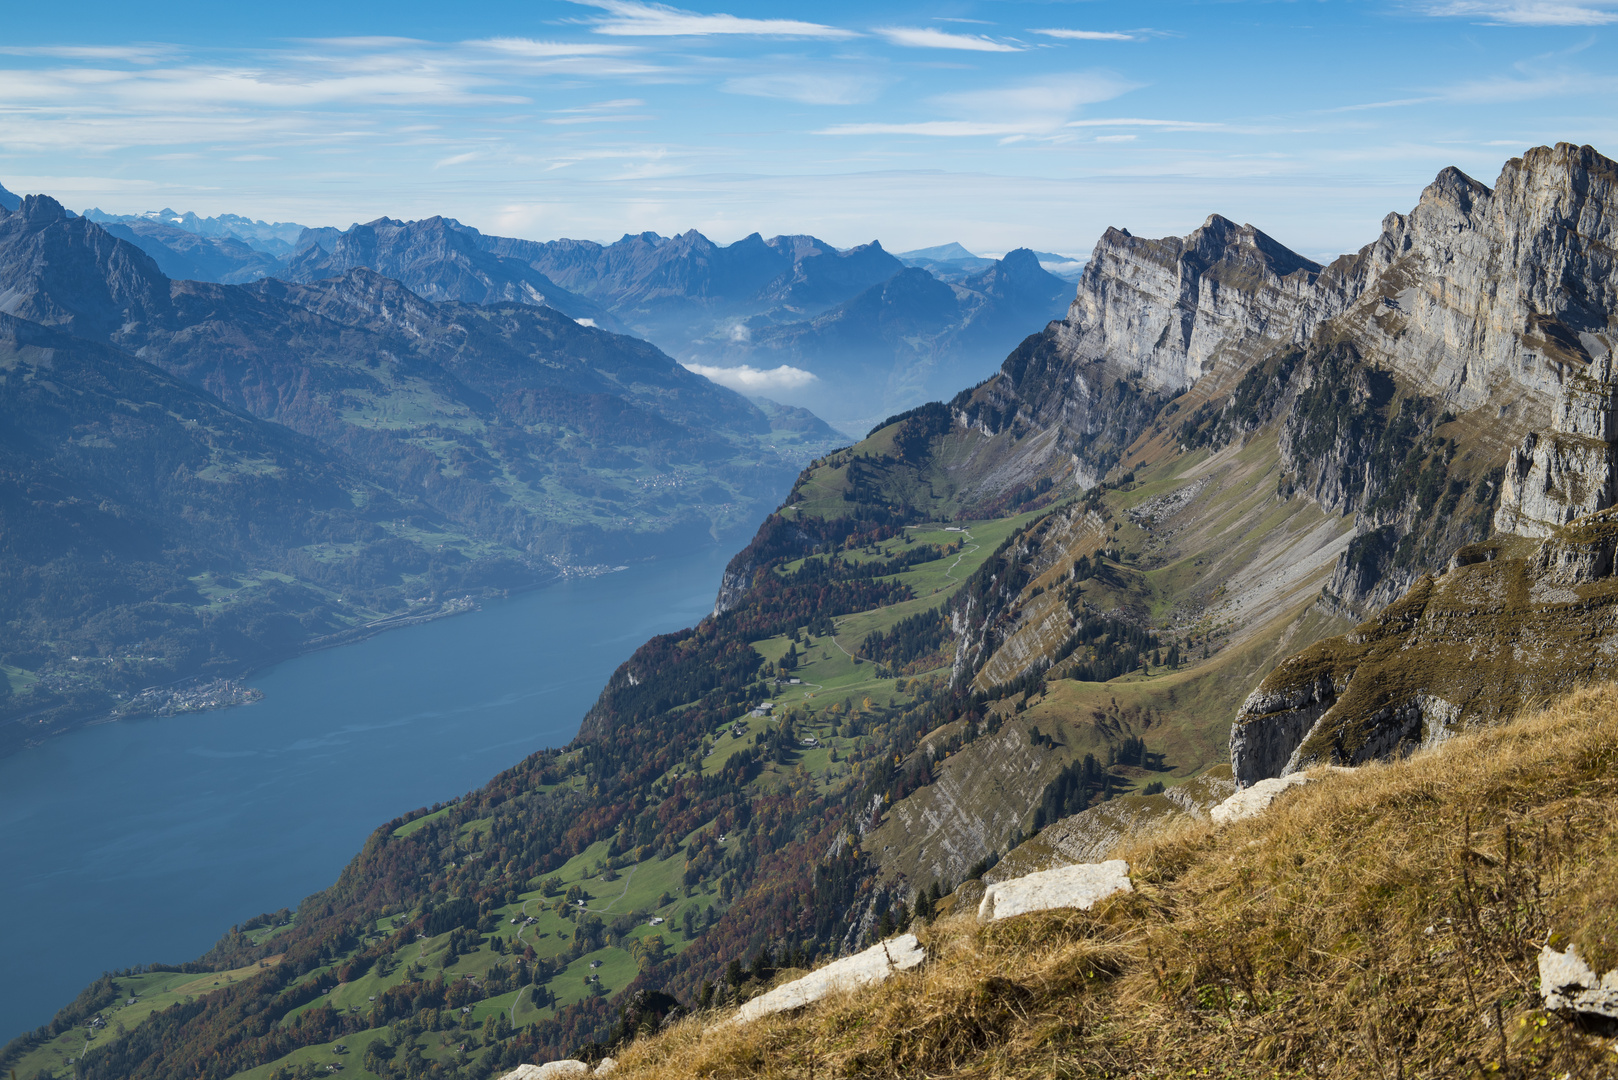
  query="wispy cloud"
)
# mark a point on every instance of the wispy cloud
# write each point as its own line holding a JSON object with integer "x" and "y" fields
{"x": 746, "y": 379}
{"x": 1085, "y": 35}
{"x": 1498, "y": 91}
{"x": 515, "y": 46}
{"x": 1527, "y": 12}
{"x": 1034, "y": 107}
{"x": 1570, "y": 83}
{"x": 926, "y": 37}
{"x": 816, "y": 87}
{"x": 134, "y": 54}
{"x": 1132, "y": 121}
{"x": 1052, "y": 98}
{"x": 629, "y": 18}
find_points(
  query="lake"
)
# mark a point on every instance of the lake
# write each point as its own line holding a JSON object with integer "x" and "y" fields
{"x": 145, "y": 841}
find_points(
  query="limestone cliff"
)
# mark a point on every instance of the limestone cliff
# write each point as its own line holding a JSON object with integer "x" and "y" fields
{"x": 1511, "y": 622}
{"x": 1490, "y": 306}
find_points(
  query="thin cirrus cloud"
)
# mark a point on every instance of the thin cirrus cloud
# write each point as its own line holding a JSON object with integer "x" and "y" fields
{"x": 134, "y": 54}
{"x": 1527, "y": 12}
{"x": 183, "y": 88}
{"x": 628, "y": 18}
{"x": 1033, "y": 107}
{"x": 529, "y": 47}
{"x": 808, "y": 87}
{"x": 746, "y": 379}
{"x": 1085, "y": 35}
{"x": 926, "y": 37}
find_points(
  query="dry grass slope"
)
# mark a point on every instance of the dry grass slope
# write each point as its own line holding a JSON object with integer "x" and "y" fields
{"x": 1384, "y": 923}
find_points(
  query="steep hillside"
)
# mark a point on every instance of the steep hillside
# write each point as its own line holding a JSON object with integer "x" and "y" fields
{"x": 1380, "y": 924}
{"x": 150, "y": 533}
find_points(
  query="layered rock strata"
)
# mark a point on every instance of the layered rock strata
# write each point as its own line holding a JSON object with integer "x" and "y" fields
{"x": 1509, "y": 623}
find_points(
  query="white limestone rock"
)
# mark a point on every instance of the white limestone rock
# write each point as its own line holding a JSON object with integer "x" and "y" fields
{"x": 1066, "y": 887}
{"x": 1567, "y": 982}
{"x": 866, "y": 968}
{"x": 551, "y": 1070}
{"x": 1254, "y": 800}
{"x": 607, "y": 1067}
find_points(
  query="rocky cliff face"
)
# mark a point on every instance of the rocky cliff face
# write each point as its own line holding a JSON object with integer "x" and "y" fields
{"x": 1490, "y": 304}
{"x": 1167, "y": 310}
{"x": 1501, "y": 307}
{"x": 1510, "y": 623}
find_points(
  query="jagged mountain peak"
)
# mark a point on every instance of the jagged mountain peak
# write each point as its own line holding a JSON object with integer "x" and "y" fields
{"x": 8, "y": 200}
{"x": 59, "y": 269}
{"x": 42, "y": 209}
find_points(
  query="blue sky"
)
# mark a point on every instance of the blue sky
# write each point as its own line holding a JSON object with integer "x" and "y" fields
{"x": 993, "y": 123}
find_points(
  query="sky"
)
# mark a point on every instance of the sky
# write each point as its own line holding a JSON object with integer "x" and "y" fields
{"x": 994, "y": 123}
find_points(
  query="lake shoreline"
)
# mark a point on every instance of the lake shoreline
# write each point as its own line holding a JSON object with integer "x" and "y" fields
{"x": 465, "y": 604}
{"x": 203, "y": 820}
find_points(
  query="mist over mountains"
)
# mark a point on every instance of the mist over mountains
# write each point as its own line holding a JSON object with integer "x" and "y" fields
{"x": 771, "y": 318}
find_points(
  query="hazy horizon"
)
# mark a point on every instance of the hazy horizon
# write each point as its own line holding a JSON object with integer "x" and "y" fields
{"x": 995, "y": 124}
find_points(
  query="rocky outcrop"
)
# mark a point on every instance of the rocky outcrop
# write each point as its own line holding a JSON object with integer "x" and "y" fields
{"x": 867, "y": 968}
{"x": 1169, "y": 309}
{"x": 733, "y": 586}
{"x": 1567, "y": 982}
{"x": 558, "y": 1070}
{"x": 1253, "y": 801}
{"x": 1150, "y": 319}
{"x": 1274, "y": 720}
{"x": 1475, "y": 644}
{"x": 1081, "y": 886}
{"x": 1567, "y": 472}
{"x": 1495, "y": 299}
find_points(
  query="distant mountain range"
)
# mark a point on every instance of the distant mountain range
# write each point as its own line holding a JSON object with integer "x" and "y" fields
{"x": 776, "y": 316}
{"x": 764, "y": 317}
{"x": 948, "y": 262}
{"x": 278, "y": 238}
{"x": 198, "y": 476}
{"x": 901, "y": 340}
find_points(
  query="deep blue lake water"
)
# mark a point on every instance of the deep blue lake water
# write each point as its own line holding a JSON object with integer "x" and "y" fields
{"x": 143, "y": 842}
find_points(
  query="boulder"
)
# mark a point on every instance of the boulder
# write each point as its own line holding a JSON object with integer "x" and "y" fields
{"x": 1066, "y": 887}
{"x": 1254, "y": 800}
{"x": 551, "y": 1070}
{"x": 862, "y": 969}
{"x": 607, "y": 1067}
{"x": 1567, "y": 982}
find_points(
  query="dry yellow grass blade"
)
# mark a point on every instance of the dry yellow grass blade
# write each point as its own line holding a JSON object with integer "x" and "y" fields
{"x": 1384, "y": 923}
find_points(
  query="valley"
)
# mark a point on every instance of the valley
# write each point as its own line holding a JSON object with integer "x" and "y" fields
{"x": 202, "y": 479}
